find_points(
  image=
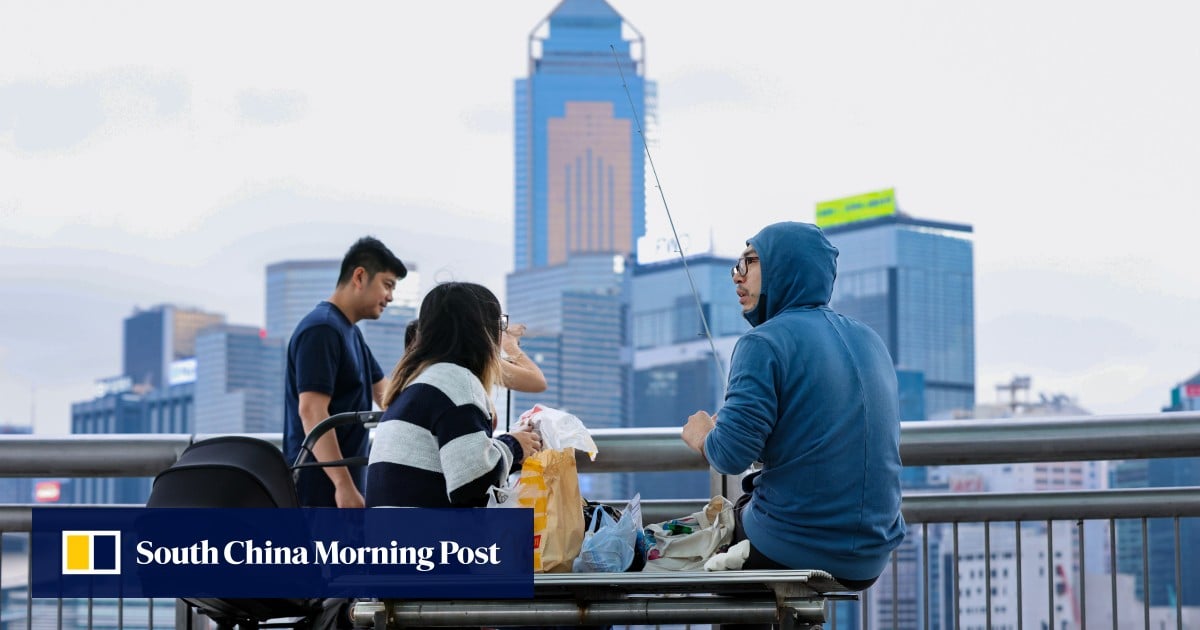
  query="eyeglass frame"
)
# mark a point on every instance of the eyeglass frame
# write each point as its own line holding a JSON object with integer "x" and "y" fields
{"x": 742, "y": 267}
{"x": 503, "y": 322}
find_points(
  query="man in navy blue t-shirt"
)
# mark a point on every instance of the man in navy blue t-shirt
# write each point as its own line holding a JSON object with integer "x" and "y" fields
{"x": 330, "y": 370}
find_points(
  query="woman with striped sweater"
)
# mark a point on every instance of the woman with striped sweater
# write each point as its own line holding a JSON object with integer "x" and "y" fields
{"x": 434, "y": 445}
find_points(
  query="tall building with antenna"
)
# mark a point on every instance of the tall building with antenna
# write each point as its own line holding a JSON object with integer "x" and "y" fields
{"x": 579, "y": 165}
{"x": 579, "y": 210}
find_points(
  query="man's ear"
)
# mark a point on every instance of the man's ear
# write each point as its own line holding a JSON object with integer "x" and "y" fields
{"x": 359, "y": 279}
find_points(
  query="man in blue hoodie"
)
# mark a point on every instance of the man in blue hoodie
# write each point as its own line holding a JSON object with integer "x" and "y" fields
{"x": 812, "y": 395}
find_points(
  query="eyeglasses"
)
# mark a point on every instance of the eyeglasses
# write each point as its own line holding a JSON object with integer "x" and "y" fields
{"x": 742, "y": 266}
{"x": 503, "y": 322}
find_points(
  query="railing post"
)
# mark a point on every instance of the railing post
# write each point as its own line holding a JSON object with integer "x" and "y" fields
{"x": 183, "y": 615}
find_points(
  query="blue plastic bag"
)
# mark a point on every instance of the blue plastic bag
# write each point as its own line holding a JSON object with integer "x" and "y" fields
{"x": 608, "y": 545}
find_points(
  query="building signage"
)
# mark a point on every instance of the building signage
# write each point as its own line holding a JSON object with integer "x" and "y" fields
{"x": 871, "y": 205}
{"x": 182, "y": 371}
{"x": 113, "y": 385}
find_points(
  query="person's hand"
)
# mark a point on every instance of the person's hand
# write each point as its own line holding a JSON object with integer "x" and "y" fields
{"x": 510, "y": 339}
{"x": 697, "y": 428}
{"x": 348, "y": 496}
{"x": 529, "y": 440}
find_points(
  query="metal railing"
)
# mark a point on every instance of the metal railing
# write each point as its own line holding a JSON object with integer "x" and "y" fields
{"x": 933, "y": 443}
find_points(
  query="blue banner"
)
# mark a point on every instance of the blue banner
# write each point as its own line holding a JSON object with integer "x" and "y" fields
{"x": 297, "y": 553}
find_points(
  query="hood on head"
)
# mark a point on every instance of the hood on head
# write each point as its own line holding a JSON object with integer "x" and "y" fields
{"x": 797, "y": 264}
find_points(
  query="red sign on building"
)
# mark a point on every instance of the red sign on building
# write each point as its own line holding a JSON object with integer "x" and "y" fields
{"x": 47, "y": 491}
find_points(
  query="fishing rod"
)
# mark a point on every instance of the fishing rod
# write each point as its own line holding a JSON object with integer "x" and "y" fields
{"x": 637, "y": 121}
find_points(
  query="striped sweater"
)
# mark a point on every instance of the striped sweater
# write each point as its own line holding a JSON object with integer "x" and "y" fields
{"x": 433, "y": 447}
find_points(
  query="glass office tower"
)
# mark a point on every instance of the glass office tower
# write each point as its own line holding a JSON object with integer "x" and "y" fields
{"x": 156, "y": 337}
{"x": 576, "y": 317}
{"x": 239, "y": 381}
{"x": 579, "y": 203}
{"x": 579, "y": 165}
{"x": 294, "y": 287}
{"x": 674, "y": 372}
{"x": 912, "y": 281}
{"x": 1161, "y": 533}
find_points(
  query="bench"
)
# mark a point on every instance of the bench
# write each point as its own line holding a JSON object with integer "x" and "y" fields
{"x": 792, "y": 599}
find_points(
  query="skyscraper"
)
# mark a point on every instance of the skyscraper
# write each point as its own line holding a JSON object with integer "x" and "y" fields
{"x": 575, "y": 316}
{"x": 239, "y": 381}
{"x": 674, "y": 372}
{"x": 385, "y": 336}
{"x": 294, "y": 287}
{"x": 577, "y": 334}
{"x": 579, "y": 201}
{"x": 156, "y": 337}
{"x": 155, "y": 393}
{"x": 1161, "y": 533}
{"x": 580, "y": 171}
{"x": 912, "y": 281}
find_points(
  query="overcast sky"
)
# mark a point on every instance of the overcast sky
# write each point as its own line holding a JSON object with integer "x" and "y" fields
{"x": 166, "y": 152}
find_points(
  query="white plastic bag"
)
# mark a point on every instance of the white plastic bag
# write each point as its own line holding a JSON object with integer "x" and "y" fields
{"x": 560, "y": 429}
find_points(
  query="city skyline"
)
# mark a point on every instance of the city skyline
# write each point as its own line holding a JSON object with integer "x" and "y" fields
{"x": 143, "y": 166}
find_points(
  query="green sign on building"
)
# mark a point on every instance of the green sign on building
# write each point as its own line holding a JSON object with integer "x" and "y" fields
{"x": 871, "y": 205}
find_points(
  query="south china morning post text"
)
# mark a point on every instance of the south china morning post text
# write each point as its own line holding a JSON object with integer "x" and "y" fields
{"x": 331, "y": 552}
{"x": 290, "y": 553}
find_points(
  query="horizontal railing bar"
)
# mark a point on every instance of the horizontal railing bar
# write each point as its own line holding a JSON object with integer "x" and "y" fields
{"x": 929, "y": 443}
{"x": 977, "y": 507}
{"x": 1065, "y": 439}
{"x": 98, "y": 455}
{"x": 569, "y": 612}
{"x": 973, "y": 507}
{"x": 19, "y": 518}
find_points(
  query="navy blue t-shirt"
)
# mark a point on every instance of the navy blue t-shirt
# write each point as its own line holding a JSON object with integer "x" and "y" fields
{"x": 327, "y": 354}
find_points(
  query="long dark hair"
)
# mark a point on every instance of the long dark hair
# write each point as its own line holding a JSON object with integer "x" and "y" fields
{"x": 460, "y": 324}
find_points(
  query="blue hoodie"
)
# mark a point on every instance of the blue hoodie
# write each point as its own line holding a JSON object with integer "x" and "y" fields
{"x": 812, "y": 395}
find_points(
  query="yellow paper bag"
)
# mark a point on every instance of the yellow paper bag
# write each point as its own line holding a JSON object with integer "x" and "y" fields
{"x": 549, "y": 483}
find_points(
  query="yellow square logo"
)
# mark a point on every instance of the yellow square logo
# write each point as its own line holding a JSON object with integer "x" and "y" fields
{"x": 91, "y": 552}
